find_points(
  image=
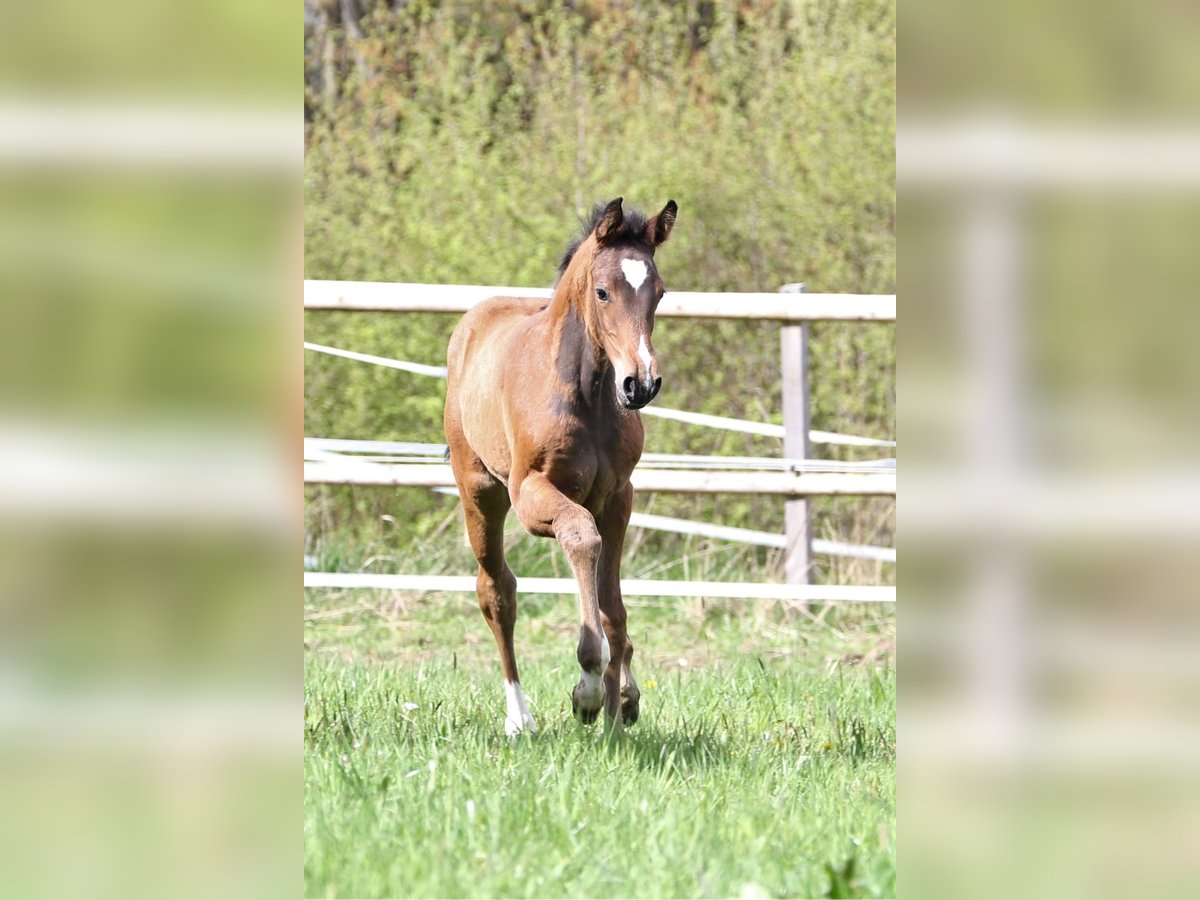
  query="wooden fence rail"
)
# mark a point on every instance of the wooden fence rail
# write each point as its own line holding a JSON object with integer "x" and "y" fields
{"x": 457, "y": 298}
{"x": 792, "y": 307}
{"x": 630, "y": 587}
{"x": 783, "y": 484}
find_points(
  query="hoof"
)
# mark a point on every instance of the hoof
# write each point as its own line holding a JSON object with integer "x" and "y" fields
{"x": 629, "y": 706}
{"x": 586, "y": 702}
{"x": 516, "y": 729}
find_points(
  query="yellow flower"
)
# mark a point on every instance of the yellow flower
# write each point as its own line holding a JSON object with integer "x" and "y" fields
{"x": 650, "y": 684}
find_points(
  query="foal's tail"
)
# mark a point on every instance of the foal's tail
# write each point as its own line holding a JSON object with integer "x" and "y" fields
{"x": 446, "y": 454}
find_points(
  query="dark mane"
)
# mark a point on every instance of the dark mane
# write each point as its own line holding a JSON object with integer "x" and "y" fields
{"x": 632, "y": 230}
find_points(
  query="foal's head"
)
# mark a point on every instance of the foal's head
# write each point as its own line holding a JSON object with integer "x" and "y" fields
{"x": 612, "y": 279}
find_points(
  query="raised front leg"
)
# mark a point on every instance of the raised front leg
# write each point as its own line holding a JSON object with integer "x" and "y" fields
{"x": 546, "y": 512}
{"x": 621, "y": 691}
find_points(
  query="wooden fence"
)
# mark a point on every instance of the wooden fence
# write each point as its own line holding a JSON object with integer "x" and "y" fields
{"x": 792, "y": 307}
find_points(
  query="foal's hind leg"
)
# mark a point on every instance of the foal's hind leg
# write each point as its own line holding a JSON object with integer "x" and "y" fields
{"x": 621, "y": 695}
{"x": 485, "y": 505}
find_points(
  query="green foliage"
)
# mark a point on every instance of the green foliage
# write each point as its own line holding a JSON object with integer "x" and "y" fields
{"x": 463, "y": 140}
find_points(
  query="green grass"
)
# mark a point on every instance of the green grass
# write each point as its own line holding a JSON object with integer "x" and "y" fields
{"x": 764, "y": 764}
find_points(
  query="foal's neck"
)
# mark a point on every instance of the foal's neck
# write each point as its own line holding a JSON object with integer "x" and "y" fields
{"x": 582, "y": 366}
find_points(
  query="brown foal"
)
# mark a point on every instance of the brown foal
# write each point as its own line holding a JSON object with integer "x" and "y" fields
{"x": 541, "y": 415}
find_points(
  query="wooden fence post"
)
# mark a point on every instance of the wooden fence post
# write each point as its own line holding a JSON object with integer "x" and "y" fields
{"x": 793, "y": 346}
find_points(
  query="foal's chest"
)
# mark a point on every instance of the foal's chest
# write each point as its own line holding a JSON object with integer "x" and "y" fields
{"x": 589, "y": 465}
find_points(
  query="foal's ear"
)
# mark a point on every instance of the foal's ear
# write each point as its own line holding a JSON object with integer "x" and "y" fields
{"x": 659, "y": 228}
{"x": 611, "y": 222}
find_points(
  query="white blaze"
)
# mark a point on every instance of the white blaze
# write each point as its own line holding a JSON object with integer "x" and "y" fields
{"x": 517, "y": 717}
{"x": 635, "y": 271}
{"x": 644, "y": 354}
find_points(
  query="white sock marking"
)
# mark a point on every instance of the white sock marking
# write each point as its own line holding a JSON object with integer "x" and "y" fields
{"x": 635, "y": 271}
{"x": 594, "y": 684}
{"x": 517, "y": 718}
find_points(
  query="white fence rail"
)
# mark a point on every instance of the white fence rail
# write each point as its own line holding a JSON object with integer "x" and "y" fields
{"x": 725, "y": 423}
{"x": 46, "y": 133}
{"x": 756, "y": 538}
{"x": 632, "y": 587}
{"x": 349, "y": 451}
{"x": 326, "y": 450}
{"x": 385, "y": 296}
{"x": 386, "y": 362}
{"x": 782, "y": 484}
{"x": 792, "y": 479}
{"x": 737, "y": 535}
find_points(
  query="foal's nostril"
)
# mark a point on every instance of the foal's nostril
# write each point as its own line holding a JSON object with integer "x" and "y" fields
{"x": 654, "y": 390}
{"x": 630, "y": 387}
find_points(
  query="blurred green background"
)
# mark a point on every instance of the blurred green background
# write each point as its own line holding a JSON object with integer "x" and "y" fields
{"x": 149, "y": 400}
{"x": 456, "y": 142}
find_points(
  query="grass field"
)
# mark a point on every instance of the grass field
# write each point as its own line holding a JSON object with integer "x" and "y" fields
{"x": 763, "y": 763}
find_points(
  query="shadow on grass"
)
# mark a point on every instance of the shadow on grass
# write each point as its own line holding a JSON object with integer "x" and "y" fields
{"x": 652, "y": 749}
{"x": 642, "y": 745}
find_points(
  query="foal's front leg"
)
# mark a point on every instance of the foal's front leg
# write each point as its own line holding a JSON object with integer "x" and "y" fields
{"x": 621, "y": 691}
{"x": 546, "y": 512}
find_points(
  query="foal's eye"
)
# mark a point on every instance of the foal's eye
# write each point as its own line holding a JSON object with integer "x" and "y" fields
{"x": 602, "y": 294}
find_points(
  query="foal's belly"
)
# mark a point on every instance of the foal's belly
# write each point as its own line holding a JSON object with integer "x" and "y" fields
{"x": 491, "y": 447}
